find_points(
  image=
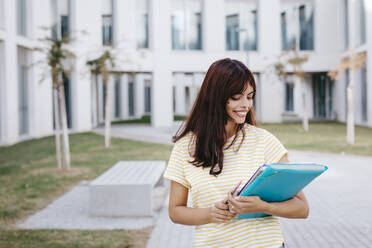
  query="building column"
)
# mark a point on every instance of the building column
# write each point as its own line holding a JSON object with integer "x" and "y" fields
{"x": 124, "y": 96}
{"x": 213, "y": 16}
{"x": 10, "y": 83}
{"x": 162, "y": 111}
{"x": 80, "y": 77}
{"x": 368, "y": 5}
{"x": 269, "y": 46}
{"x": 139, "y": 95}
{"x": 41, "y": 109}
{"x": 111, "y": 95}
{"x": 100, "y": 103}
{"x": 179, "y": 94}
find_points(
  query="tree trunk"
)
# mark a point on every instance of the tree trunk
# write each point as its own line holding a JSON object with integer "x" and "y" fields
{"x": 66, "y": 143}
{"x": 107, "y": 114}
{"x": 57, "y": 127}
{"x": 350, "y": 132}
{"x": 305, "y": 119}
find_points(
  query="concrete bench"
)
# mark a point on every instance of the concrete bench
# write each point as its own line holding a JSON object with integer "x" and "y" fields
{"x": 126, "y": 189}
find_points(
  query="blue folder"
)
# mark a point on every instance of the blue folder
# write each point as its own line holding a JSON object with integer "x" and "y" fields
{"x": 279, "y": 182}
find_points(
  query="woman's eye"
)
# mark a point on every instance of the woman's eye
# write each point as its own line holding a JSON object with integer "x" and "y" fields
{"x": 250, "y": 98}
{"x": 235, "y": 98}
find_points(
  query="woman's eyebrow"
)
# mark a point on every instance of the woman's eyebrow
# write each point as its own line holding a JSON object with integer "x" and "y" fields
{"x": 251, "y": 92}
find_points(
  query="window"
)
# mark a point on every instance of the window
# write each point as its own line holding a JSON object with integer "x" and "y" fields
{"x": 297, "y": 24}
{"x": 60, "y": 18}
{"x": 21, "y": 17}
{"x": 186, "y": 25}
{"x": 346, "y": 24}
{"x": 289, "y": 97}
{"x": 117, "y": 97}
{"x": 107, "y": 23}
{"x": 362, "y": 22}
{"x": 147, "y": 96}
{"x": 142, "y": 24}
{"x": 23, "y": 95}
{"x": 364, "y": 93}
{"x": 131, "y": 95}
{"x": 2, "y": 16}
{"x": 232, "y": 32}
{"x": 241, "y": 25}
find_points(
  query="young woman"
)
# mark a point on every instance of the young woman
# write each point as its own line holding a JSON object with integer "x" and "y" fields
{"x": 218, "y": 146}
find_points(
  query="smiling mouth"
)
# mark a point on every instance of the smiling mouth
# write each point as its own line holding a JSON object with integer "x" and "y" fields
{"x": 241, "y": 114}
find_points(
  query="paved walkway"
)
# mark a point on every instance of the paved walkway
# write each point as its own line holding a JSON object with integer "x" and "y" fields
{"x": 340, "y": 200}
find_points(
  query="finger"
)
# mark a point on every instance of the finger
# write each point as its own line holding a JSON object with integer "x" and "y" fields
{"x": 225, "y": 217}
{"x": 222, "y": 205}
{"x": 233, "y": 201}
{"x": 246, "y": 198}
{"x": 225, "y": 213}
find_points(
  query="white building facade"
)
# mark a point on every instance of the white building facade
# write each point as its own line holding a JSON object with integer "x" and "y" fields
{"x": 164, "y": 48}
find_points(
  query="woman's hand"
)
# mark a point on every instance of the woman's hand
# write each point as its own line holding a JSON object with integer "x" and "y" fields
{"x": 247, "y": 204}
{"x": 220, "y": 213}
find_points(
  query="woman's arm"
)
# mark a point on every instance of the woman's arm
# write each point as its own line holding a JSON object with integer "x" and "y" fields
{"x": 181, "y": 214}
{"x": 297, "y": 207}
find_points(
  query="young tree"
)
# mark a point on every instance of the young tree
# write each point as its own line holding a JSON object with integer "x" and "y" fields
{"x": 294, "y": 60}
{"x": 102, "y": 66}
{"x": 58, "y": 56}
{"x": 352, "y": 62}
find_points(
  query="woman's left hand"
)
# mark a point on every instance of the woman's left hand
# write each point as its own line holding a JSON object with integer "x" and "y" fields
{"x": 247, "y": 204}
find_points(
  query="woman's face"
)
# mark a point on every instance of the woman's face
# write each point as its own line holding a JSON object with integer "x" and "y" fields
{"x": 238, "y": 105}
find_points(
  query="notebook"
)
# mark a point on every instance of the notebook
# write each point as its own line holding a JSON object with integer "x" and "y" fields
{"x": 279, "y": 182}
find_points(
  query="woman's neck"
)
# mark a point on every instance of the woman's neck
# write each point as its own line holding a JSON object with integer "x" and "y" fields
{"x": 230, "y": 128}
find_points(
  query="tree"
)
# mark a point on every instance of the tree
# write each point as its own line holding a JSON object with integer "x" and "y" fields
{"x": 293, "y": 59}
{"x": 352, "y": 62}
{"x": 102, "y": 66}
{"x": 58, "y": 56}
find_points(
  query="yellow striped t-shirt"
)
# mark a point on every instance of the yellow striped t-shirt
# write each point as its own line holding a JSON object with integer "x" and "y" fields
{"x": 259, "y": 147}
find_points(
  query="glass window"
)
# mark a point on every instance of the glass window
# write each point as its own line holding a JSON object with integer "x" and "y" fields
{"x": 232, "y": 32}
{"x": 131, "y": 95}
{"x": 117, "y": 97}
{"x": 186, "y": 21}
{"x": 60, "y": 18}
{"x": 297, "y": 24}
{"x": 142, "y": 24}
{"x": 147, "y": 96}
{"x": 2, "y": 20}
{"x": 241, "y": 25}
{"x": 306, "y": 27}
{"x": 21, "y": 17}
{"x": 346, "y": 24}
{"x": 289, "y": 97}
{"x": 362, "y": 21}
{"x": 23, "y": 95}
{"x": 364, "y": 93}
{"x": 107, "y": 30}
{"x": 107, "y": 22}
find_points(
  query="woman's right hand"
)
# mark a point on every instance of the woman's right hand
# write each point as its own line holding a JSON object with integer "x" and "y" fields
{"x": 220, "y": 213}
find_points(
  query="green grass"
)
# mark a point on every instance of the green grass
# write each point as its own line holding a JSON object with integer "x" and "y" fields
{"x": 146, "y": 119}
{"x": 29, "y": 179}
{"x": 64, "y": 238}
{"x": 28, "y": 171}
{"x": 322, "y": 137}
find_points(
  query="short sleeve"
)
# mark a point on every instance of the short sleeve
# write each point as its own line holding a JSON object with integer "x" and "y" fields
{"x": 176, "y": 165}
{"x": 273, "y": 148}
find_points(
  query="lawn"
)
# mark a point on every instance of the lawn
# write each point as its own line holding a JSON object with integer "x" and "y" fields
{"x": 322, "y": 137}
{"x": 29, "y": 179}
{"x": 28, "y": 170}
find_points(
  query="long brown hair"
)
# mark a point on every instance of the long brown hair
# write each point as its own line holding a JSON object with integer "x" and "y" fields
{"x": 208, "y": 117}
